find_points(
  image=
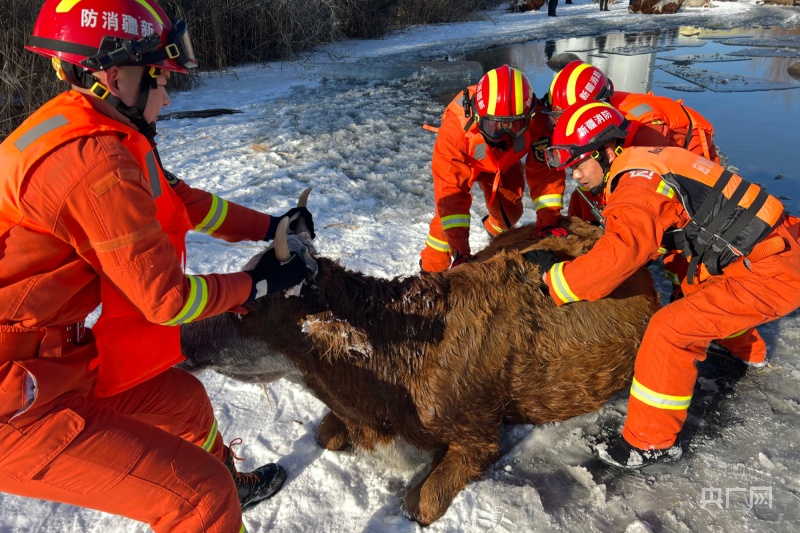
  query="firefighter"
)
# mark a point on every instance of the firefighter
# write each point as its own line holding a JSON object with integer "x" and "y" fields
{"x": 100, "y": 418}
{"x": 744, "y": 263}
{"x": 486, "y": 131}
{"x": 654, "y": 121}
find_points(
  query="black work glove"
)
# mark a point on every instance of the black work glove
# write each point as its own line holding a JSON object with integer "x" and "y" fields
{"x": 270, "y": 275}
{"x": 293, "y": 214}
{"x": 544, "y": 259}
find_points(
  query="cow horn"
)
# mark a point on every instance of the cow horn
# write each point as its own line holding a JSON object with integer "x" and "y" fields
{"x": 282, "y": 253}
{"x": 301, "y": 202}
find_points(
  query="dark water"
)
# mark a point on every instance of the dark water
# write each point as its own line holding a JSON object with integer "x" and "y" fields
{"x": 758, "y": 130}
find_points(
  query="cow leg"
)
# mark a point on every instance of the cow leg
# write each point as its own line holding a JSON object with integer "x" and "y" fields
{"x": 429, "y": 499}
{"x": 333, "y": 434}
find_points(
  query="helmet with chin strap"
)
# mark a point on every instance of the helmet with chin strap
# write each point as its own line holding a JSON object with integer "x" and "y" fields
{"x": 583, "y": 131}
{"x": 577, "y": 82}
{"x": 86, "y": 36}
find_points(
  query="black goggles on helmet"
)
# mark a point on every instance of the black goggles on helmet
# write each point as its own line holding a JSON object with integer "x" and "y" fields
{"x": 146, "y": 51}
{"x": 495, "y": 128}
{"x": 568, "y": 155}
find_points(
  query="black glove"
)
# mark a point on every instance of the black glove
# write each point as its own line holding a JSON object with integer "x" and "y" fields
{"x": 270, "y": 275}
{"x": 544, "y": 259}
{"x": 293, "y": 214}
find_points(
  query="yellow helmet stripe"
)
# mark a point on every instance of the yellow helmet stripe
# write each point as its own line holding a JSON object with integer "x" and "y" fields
{"x": 518, "y": 101}
{"x": 152, "y": 11}
{"x": 572, "y": 95}
{"x": 492, "y": 92}
{"x": 66, "y": 5}
{"x": 573, "y": 120}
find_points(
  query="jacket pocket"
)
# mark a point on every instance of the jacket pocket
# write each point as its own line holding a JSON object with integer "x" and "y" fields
{"x": 26, "y": 452}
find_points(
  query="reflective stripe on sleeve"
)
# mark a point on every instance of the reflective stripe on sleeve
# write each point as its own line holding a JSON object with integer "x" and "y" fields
{"x": 548, "y": 200}
{"x": 455, "y": 221}
{"x": 658, "y": 400}
{"x": 195, "y": 303}
{"x": 437, "y": 244}
{"x": 665, "y": 189}
{"x": 212, "y": 436}
{"x": 560, "y": 284}
{"x": 672, "y": 277}
{"x": 215, "y": 217}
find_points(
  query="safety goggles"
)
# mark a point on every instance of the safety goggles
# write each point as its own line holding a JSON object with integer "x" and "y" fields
{"x": 146, "y": 51}
{"x": 496, "y": 128}
{"x": 558, "y": 157}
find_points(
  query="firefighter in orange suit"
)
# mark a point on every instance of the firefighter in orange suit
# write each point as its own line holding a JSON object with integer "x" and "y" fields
{"x": 100, "y": 418}
{"x": 484, "y": 135}
{"x": 743, "y": 251}
{"x": 653, "y": 121}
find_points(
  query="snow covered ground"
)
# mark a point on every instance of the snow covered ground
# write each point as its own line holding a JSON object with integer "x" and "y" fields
{"x": 360, "y": 145}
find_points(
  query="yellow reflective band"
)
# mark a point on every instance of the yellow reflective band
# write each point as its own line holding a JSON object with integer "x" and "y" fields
{"x": 553, "y": 85}
{"x": 198, "y": 298}
{"x": 494, "y": 226}
{"x": 548, "y": 200}
{"x": 671, "y": 276}
{"x": 215, "y": 217}
{"x": 65, "y": 6}
{"x": 455, "y": 221}
{"x": 572, "y": 93}
{"x": 573, "y": 120}
{"x": 560, "y": 284}
{"x": 518, "y": 109}
{"x": 658, "y": 400}
{"x": 665, "y": 189}
{"x": 738, "y": 334}
{"x": 492, "y": 93}
{"x": 243, "y": 529}
{"x": 212, "y": 436}
{"x": 437, "y": 244}
{"x": 152, "y": 11}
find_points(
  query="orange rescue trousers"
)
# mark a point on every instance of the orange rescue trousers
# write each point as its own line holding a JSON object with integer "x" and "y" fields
{"x": 509, "y": 196}
{"x": 139, "y": 454}
{"x": 745, "y": 295}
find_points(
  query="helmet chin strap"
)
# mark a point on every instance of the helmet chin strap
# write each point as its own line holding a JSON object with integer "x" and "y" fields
{"x": 605, "y": 164}
{"x": 83, "y": 78}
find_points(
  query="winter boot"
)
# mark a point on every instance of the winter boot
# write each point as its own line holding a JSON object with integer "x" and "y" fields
{"x": 260, "y": 484}
{"x": 620, "y": 454}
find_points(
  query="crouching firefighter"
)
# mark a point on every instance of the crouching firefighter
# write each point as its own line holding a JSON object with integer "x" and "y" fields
{"x": 100, "y": 418}
{"x": 743, "y": 252}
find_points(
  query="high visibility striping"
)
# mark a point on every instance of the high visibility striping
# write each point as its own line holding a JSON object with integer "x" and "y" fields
{"x": 243, "y": 529}
{"x": 65, "y": 6}
{"x": 437, "y": 244}
{"x": 665, "y": 189}
{"x": 43, "y": 128}
{"x": 212, "y": 436}
{"x": 572, "y": 82}
{"x": 640, "y": 110}
{"x": 560, "y": 284}
{"x": 152, "y": 174}
{"x": 494, "y": 226}
{"x": 215, "y": 217}
{"x": 671, "y": 276}
{"x": 657, "y": 399}
{"x": 198, "y": 298}
{"x": 455, "y": 221}
{"x": 518, "y": 94}
{"x": 479, "y": 153}
{"x": 573, "y": 120}
{"x": 738, "y": 334}
{"x": 152, "y": 11}
{"x": 548, "y": 200}
{"x": 492, "y": 103}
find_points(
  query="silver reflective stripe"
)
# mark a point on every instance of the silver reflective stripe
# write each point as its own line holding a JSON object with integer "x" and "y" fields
{"x": 152, "y": 174}
{"x": 480, "y": 152}
{"x": 40, "y": 129}
{"x": 640, "y": 110}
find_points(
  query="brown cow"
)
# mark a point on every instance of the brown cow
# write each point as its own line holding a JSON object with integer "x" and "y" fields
{"x": 442, "y": 360}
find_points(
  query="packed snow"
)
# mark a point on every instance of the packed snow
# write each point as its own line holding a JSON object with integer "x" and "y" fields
{"x": 359, "y": 143}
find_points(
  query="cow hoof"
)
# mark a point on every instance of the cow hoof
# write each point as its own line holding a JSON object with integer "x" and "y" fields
{"x": 333, "y": 434}
{"x": 420, "y": 508}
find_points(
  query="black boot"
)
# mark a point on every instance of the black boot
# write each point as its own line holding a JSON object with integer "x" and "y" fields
{"x": 258, "y": 485}
{"x": 617, "y": 452}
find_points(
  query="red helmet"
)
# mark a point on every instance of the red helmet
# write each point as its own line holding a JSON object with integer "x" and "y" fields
{"x": 583, "y": 129}
{"x": 99, "y": 34}
{"x": 503, "y": 103}
{"x": 577, "y": 82}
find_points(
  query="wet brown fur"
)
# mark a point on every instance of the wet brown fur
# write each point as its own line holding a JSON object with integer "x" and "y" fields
{"x": 443, "y": 360}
